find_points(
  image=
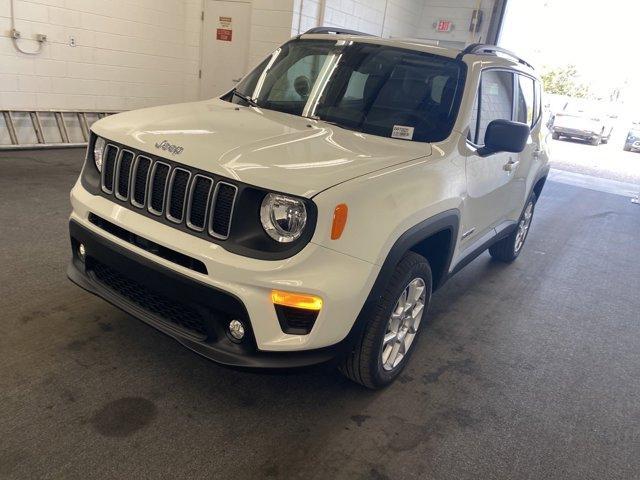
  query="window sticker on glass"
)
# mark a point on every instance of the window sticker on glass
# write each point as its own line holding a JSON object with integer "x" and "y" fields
{"x": 400, "y": 131}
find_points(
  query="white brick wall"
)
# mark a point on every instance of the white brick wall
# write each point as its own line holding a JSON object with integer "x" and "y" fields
{"x": 271, "y": 25}
{"x": 458, "y": 11}
{"x": 138, "y": 53}
{"x": 129, "y": 54}
{"x": 402, "y": 16}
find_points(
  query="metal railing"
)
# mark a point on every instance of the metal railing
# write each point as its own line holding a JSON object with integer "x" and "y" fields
{"x": 24, "y": 129}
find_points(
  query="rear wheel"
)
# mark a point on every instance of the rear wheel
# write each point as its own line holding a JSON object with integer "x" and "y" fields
{"x": 389, "y": 336}
{"x": 555, "y": 136}
{"x": 508, "y": 249}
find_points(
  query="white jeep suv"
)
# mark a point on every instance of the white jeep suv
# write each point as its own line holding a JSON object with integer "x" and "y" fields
{"x": 308, "y": 214}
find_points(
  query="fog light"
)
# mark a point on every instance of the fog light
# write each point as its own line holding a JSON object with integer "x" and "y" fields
{"x": 82, "y": 253}
{"x": 236, "y": 329}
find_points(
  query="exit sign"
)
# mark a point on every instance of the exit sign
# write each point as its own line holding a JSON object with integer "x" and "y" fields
{"x": 444, "y": 26}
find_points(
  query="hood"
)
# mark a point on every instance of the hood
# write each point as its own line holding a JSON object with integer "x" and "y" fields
{"x": 260, "y": 147}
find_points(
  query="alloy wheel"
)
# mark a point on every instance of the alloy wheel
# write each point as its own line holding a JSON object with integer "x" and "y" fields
{"x": 523, "y": 227}
{"x": 403, "y": 324}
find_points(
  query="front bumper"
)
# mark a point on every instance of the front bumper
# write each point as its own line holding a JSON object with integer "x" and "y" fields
{"x": 342, "y": 281}
{"x": 575, "y": 133}
{"x": 215, "y": 307}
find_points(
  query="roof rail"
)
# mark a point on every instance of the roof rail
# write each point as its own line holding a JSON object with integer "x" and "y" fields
{"x": 485, "y": 49}
{"x": 336, "y": 31}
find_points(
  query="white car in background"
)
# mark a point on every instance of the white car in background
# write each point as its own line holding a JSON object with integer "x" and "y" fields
{"x": 584, "y": 120}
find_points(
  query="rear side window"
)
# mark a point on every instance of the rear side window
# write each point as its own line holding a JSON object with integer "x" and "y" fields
{"x": 493, "y": 102}
{"x": 525, "y": 100}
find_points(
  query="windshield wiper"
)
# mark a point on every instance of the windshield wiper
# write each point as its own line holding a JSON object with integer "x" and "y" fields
{"x": 244, "y": 97}
{"x": 338, "y": 124}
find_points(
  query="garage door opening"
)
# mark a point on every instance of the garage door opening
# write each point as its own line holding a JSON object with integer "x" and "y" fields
{"x": 592, "y": 84}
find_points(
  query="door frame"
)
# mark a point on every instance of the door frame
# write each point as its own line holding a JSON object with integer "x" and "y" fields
{"x": 203, "y": 9}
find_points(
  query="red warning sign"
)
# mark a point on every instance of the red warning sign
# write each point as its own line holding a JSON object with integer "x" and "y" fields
{"x": 224, "y": 34}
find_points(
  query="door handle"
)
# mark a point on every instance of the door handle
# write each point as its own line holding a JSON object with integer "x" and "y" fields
{"x": 236, "y": 80}
{"x": 510, "y": 166}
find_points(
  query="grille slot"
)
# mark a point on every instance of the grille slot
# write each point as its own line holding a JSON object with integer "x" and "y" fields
{"x": 180, "y": 314}
{"x": 141, "y": 171}
{"x": 159, "y": 175}
{"x": 198, "y": 202}
{"x": 123, "y": 174}
{"x": 177, "y": 194}
{"x": 222, "y": 210}
{"x": 109, "y": 167}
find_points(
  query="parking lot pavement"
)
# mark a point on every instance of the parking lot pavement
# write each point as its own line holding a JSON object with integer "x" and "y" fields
{"x": 523, "y": 371}
{"x": 608, "y": 161}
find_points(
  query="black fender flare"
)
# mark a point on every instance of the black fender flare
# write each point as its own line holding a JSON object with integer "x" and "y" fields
{"x": 447, "y": 220}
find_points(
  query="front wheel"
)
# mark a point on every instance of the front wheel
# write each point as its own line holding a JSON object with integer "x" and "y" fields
{"x": 595, "y": 141}
{"x": 508, "y": 249}
{"x": 555, "y": 136}
{"x": 389, "y": 336}
{"x": 627, "y": 148}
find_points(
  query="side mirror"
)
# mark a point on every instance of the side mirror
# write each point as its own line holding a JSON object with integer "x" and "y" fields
{"x": 504, "y": 136}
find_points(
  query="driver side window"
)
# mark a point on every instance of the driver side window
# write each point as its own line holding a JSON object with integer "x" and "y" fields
{"x": 494, "y": 101}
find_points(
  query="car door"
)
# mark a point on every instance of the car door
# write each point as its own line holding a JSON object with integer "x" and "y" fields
{"x": 491, "y": 194}
{"x": 525, "y": 112}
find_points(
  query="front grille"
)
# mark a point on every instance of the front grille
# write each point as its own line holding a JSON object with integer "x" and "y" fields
{"x": 159, "y": 175}
{"x": 201, "y": 203}
{"x": 124, "y": 174}
{"x": 198, "y": 202}
{"x": 109, "y": 168}
{"x": 224, "y": 199}
{"x": 141, "y": 178}
{"x": 179, "y": 314}
{"x": 177, "y": 193}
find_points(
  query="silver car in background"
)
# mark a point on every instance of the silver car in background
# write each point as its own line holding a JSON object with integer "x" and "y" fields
{"x": 584, "y": 120}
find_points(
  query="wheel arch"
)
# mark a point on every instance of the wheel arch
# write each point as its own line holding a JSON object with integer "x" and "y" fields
{"x": 427, "y": 238}
{"x": 539, "y": 183}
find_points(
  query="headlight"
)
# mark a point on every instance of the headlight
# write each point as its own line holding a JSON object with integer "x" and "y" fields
{"x": 283, "y": 217}
{"x": 98, "y": 152}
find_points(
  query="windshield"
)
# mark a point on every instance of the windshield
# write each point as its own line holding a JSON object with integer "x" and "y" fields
{"x": 376, "y": 89}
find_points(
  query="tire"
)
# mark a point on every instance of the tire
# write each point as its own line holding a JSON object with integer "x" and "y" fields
{"x": 595, "y": 141}
{"x": 627, "y": 148}
{"x": 365, "y": 364}
{"x": 605, "y": 140}
{"x": 555, "y": 136}
{"x": 509, "y": 248}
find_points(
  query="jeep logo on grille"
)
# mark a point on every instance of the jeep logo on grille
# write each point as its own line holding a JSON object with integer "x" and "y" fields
{"x": 172, "y": 149}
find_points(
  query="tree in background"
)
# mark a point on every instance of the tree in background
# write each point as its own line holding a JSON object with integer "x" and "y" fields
{"x": 564, "y": 81}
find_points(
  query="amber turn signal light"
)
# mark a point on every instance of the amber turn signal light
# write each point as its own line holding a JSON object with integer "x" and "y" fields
{"x": 296, "y": 300}
{"x": 339, "y": 221}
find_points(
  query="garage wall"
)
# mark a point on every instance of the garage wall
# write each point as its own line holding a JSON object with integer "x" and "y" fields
{"x": 271, "y": 26}
{"x": 388, "y": 18}
{"x": 460, "y": 13}
{"x": 129, "y": 54}
{"x": 138, "y": 53}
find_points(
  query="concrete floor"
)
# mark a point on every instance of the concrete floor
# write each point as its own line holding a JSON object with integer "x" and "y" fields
{"x": 608, "y": 161}
{"x": 526, "y": 371}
